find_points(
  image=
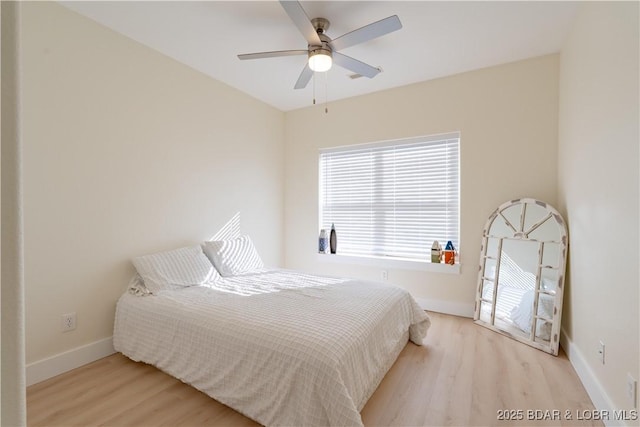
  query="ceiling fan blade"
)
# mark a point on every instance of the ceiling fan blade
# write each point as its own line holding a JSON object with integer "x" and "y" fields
{"x": 301, "y": 20}
{"x": 354, "y": 65}
{"x": 304, "y": 78}
{"x": 273, "y": 54}
{"x": 366, "y": 33}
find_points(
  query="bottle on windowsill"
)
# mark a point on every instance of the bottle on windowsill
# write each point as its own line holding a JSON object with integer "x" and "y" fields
{"x": 449, "y": 253}
{"x": 333, "y": 240}
{"x": 323, "y": 241}
{"x": 436, "y": 252}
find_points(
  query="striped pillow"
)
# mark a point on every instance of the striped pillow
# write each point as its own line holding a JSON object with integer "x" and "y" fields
{"x": 232, "y": 257}
{"x": 175, "y": 269}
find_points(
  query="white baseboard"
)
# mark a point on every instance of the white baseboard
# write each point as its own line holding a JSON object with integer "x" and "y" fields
{"x": 446, "y": 307}
{"x": 596, "y": 392}
{"x": 63, "y": 362}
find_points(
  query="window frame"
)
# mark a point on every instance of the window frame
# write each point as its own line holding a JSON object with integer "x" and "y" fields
{"x": 370, "y": 259}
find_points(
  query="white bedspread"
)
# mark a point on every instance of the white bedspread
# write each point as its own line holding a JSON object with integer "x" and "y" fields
{"x": 281, "y": 347}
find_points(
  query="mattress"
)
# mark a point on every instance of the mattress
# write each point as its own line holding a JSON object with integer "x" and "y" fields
{"x": 281, "y": 347}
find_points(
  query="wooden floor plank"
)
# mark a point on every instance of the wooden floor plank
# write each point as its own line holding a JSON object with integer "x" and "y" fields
{"x": 463, "y": 375}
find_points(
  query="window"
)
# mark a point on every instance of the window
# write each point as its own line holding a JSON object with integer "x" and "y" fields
{"x": 392, "y": 199}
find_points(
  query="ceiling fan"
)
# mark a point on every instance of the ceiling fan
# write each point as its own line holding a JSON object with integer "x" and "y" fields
{"x": 322, "y": 50}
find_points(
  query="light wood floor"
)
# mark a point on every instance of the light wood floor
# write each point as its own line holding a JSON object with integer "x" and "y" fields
{"x": 464, "y": 375}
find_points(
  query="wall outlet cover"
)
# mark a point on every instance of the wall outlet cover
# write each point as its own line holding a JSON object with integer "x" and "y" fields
{"x": 68, "y": 322}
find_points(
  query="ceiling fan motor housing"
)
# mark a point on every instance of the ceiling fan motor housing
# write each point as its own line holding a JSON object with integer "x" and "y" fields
{"x": 325, "y": 44}
{"x": 325, "y": 40}
{"x": 320, "y": 24}
{"x": 319, "y": 50}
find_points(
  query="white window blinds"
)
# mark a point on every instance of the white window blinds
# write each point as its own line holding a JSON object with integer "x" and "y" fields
{"x": 392, "y": 199}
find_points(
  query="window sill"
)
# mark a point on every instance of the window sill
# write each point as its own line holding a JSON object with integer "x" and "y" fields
{"x": 400, "y": 264}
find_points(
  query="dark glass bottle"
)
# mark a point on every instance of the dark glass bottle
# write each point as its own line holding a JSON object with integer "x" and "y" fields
{"x": 333, "y": 240}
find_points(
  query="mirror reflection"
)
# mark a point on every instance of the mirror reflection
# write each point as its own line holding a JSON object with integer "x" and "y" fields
{"x": 521, "y": 274}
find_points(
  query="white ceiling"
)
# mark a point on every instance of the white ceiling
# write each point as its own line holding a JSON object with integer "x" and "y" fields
{"x": 437, "y": 39}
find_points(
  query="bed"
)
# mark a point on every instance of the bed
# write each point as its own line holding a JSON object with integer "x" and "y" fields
{"x": 281, "y": 347}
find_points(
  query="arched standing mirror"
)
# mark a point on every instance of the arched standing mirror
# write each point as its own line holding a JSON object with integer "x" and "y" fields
{"x": 521, "y": 278}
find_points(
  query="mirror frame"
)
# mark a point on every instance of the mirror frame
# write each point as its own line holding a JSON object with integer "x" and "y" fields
{"x": 523, "y": 235}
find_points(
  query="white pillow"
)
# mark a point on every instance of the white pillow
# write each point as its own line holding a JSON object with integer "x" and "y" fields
{"x": 175, "y": 269}
{"x": 232, "y": 257}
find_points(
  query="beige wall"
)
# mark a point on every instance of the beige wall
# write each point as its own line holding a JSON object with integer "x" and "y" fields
{"x": 12, "y": 387}
{"x": 598, "y": 190}
{"x": 507, "y": 116}
{"x": 128, "y": 152}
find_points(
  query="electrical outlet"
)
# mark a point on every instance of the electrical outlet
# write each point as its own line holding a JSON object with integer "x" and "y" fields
{"x": 632, "y": 390}
{"x": 601, "y": 352}
{"x": 385, "y": 275}
{"x": 68, "y": 322}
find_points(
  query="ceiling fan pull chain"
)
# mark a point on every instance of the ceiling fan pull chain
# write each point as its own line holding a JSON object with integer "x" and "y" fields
{"x": 314, "y": 88}
{"x": 326, "y": 92}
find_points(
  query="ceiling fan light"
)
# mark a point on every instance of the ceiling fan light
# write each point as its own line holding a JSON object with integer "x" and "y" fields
{"x": 320, "y": 60}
